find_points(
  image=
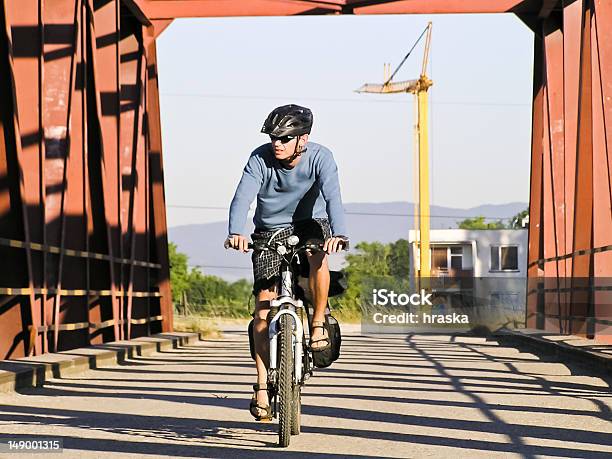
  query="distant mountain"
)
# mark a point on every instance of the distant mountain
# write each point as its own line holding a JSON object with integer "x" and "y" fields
{"x": 384, "y": 222}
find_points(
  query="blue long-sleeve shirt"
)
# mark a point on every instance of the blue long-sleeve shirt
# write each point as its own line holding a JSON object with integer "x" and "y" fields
{"x": 284, "y": 196}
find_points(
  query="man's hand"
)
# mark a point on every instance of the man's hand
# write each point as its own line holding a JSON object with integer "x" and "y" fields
{"x": 335, "y": 244}
{"x": 237, "y": 242}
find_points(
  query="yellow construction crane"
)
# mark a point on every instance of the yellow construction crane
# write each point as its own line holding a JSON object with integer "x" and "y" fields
{"x": 419, "y": 88}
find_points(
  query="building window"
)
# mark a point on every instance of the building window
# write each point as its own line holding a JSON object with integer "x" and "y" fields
{"x": 456, "y": 257}
{"x": 439, "y": 258}
{"x": 443, "y": 257}
{"x": 504, "y": 258}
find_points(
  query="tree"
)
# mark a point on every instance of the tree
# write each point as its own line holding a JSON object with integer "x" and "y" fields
{"x": 204, "y": 290}
{"x": 479, "y": 223}
{"x": 369, "y": 261}
{"x": 517, "y": 220}
{"x": 398, "y": 259}
{"x": 179, "y": 272}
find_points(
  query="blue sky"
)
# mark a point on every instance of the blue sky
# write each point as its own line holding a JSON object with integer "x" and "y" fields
{"x": 220, "y": 77}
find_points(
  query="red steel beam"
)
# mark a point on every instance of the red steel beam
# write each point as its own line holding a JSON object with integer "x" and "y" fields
{"x": 556, "y": 125}
{"x": 582, "y": 266}
{"x": 444, "y": 6}
{"x": 572, "y": 27}
{"x": 66, "y": 149}
{"x": 23, "y": 20}
{"x": 583, "y": 201}
{"x": 141, "y": 189}
{"x": 104, "y": 24}
{"x": 132, "y": 154}
{"x": 159, "y": 25}
{"x": 156, "y": 170}
{"x": 128, "y": 69}
{"x": 553, "y": 147}
{"x": 170, "y": 9}
{"x": 571, "y": 19}
{"x": 601, "y": 38}
{"x": 92, "y": 314}
{"x": 16, "y": 268}
{"x": 535, "y": 250}
{"x": 552, "y": 133}
{"x": 73, "y": 272}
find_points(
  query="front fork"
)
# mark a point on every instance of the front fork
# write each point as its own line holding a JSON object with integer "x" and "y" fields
{"x": 297, "y": 337}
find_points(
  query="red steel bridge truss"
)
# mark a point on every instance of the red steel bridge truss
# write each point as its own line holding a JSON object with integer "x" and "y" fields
{"x": 83, "y": 236}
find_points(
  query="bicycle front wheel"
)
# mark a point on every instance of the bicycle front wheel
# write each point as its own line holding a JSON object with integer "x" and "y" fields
{"x": 296, "y": 414}
{"x": 285, "y": 381}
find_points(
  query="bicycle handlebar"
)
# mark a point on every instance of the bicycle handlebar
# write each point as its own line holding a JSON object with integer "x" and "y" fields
{"x": 310, "y": 246}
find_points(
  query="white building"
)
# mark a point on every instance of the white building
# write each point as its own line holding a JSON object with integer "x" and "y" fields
{"x": 480, "y": 270}
{"x": 474, "y": 253}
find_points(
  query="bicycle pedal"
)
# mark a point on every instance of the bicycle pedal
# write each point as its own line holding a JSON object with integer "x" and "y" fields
{"x": 265, "y": 420}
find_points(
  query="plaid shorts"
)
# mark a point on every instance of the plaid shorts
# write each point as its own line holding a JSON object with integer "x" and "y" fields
{"x": 267, "y": 263}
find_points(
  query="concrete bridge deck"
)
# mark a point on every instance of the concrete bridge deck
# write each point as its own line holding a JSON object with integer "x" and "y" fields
{"x": 388, "y": 396}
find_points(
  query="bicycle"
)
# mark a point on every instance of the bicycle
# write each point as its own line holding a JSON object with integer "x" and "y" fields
{"x": 291, "y": 361}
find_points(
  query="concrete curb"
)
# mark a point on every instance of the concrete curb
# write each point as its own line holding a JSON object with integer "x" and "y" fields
{"x": 34, "y": 371}
{"x": 575, "y": 349}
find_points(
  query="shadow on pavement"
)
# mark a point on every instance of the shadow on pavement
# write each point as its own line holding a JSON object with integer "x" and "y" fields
{"x": 389, "y": 365}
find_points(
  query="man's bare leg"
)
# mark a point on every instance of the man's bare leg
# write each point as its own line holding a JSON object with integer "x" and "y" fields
{"x": 262, "y": 343}
{"x": 319, "y": 288}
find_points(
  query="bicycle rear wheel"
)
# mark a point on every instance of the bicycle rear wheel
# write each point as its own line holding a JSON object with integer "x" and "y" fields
{"x": 285, "y": 381}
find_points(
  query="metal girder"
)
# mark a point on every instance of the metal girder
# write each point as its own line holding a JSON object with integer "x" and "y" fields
{"x": 601, "y": 38}
{"x": 535, "y": 251}
{"x": 170, "y": 9}
{"x": 131, "y": 159}
{"x": 553, "y": 186}
{"x": 15, "y": 268}
{"x": 583, "y": 201}
{"x": 104, "y": 24}
{"x": 572, "y": 26}
{"x": 158, "y": 26}
{"x": 553, "y": 145}
{"x": 570, "y": 243}
{"x": 159, "y": 229}
{"x": 76, "y": 187}
{"x": 442, "y": 6}
{"x": 582, "y": 264}
{"x": 24, "y": 69}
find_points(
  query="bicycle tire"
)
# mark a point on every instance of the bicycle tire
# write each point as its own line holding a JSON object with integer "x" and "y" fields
{"x": 285, "y": 381}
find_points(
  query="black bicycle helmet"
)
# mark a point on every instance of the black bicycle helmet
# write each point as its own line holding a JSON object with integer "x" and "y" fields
{"x": 288, "y": 120}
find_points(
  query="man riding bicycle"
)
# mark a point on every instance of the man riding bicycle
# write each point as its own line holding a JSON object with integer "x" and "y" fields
{"x": 298, "y": 192}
